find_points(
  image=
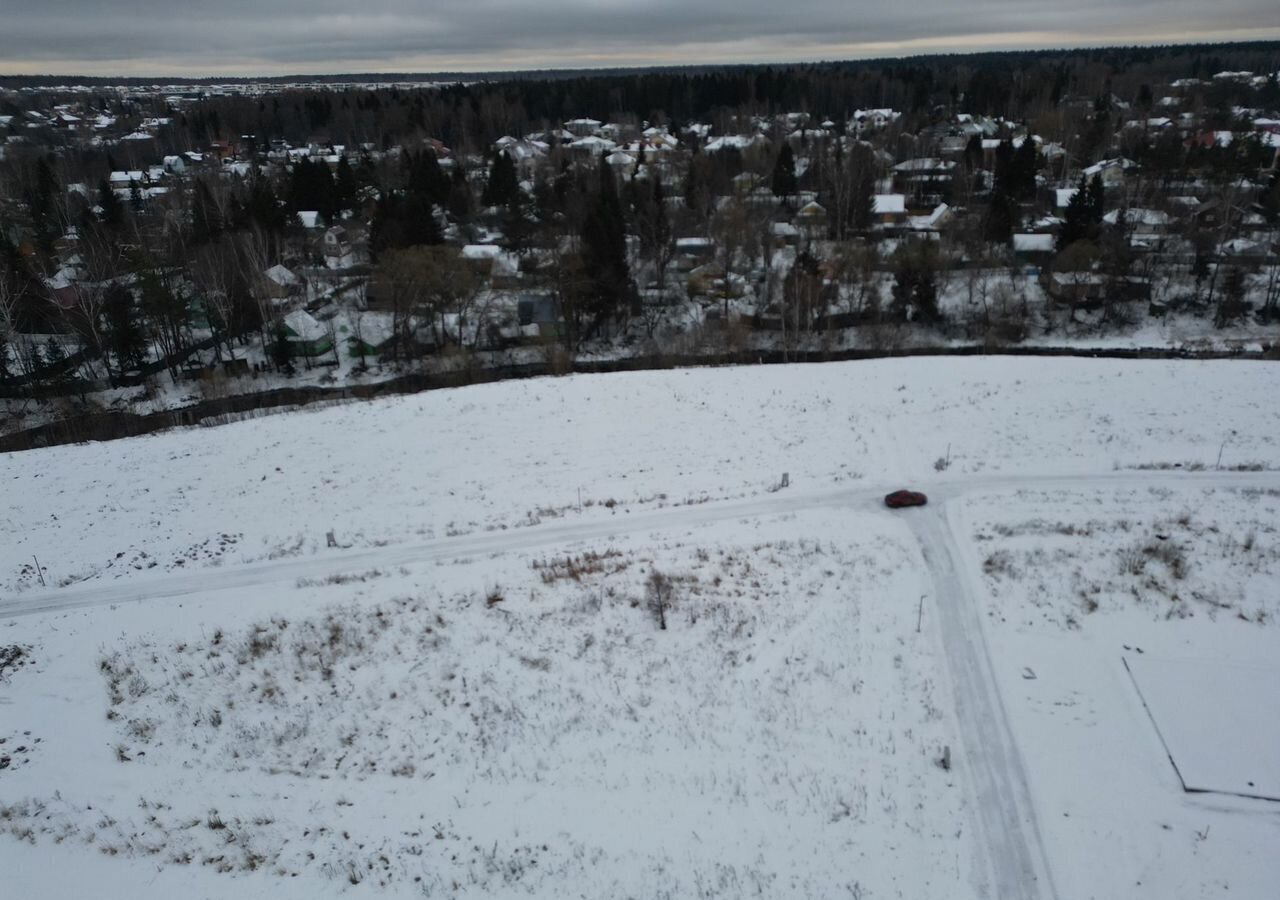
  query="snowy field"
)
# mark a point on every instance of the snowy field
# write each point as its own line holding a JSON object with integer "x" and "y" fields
{"x": 1176, "y": 582}
{"x": 484, "y": 690}
{"x": 512, "y": 726}
{"x": 587, "y": 448}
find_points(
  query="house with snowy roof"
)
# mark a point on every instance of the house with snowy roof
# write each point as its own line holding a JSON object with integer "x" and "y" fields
{"x": 305, "y": 335}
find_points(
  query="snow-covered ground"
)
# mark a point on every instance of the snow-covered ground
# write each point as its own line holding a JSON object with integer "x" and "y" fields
{"x": 1079, "y": 586}
{"x": 473, "y": 693}
{"x": 497, "y": 456}
{"x": 519, "y": 725}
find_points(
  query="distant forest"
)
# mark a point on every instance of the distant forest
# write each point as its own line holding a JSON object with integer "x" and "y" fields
{"x": 477, "y": 108}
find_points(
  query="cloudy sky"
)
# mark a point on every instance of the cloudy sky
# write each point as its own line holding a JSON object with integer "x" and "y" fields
{"x": 271, "y": 37}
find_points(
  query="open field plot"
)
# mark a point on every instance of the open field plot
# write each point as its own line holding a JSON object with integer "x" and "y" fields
{"x": 591, "y": 448}
{"x": 1216, "y": 724}
{"x": 1073, "y": 582}
{"x": 518, "y": 725}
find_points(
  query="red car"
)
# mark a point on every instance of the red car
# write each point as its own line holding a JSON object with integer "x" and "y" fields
{"x": 899, "y": 499}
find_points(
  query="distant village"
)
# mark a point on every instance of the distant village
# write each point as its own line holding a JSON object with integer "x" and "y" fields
{"x": 155, "y": 248}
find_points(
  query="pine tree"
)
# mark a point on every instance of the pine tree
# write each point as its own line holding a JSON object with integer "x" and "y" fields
{"x": 1024, "y": 170}
{"x": 420, "y": 226}
{"x": 262, "y": 208}
{"x": 281, "y": 353}
{"x": 697, "y": 191}
{"x": 503, "y": 184}
{"x": 54, "y": 358}
{"x": 345, "y": 188}
{"x": 784, "y": 182}
{"x": 1077, "y": 221}
{"x": 604, "y": 251}
{"x": 999, "y": 223}
{"x": 973, "y": 153}
{"x": 125, "y": 337}
{"x": 427, "y": 179}
{"x": 386, "y": 230}
{"x": 1097, "y": 201}
{"x": 460, "y": 197}
{"x": 112, "y": 214}
{"x": 1005, "y": 182}
{"x": 42, "y": 202}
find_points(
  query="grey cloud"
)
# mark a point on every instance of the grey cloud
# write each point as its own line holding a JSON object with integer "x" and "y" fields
{"x": 186, "y": 37}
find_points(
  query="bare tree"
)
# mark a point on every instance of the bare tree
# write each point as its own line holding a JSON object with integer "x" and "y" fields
{"x": 659, "y": 593}
{"x": 731, "y": 226}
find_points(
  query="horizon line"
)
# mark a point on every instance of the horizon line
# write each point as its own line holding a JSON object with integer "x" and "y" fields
{"x": 587, "y": 70}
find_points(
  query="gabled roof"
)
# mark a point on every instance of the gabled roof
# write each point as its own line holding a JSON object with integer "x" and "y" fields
{"x": 282, "y": 276}
{"x": 304, "y": 326}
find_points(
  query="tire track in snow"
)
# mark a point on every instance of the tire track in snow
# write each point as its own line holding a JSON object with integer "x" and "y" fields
{"x": 866, "y": 500}
{"x": 1017, "y": 866}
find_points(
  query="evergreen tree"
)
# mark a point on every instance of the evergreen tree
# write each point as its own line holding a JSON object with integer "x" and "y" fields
{"x": 1078, "y": 222}
{"x": 345, "y": 190}
{"x": 420, "y": 226}
{"x": 53, "y": 352}
{"x": 973, "y": 153}
{"x": 281, "y": 354}
{"x": 1000, "y": 220}
{"x": 42, "y": 202}
{"x": 503, "y": 185}
{"x": 460, "y": 197}
{"x": 386, "y": 230}
{"x": 1005, "y": 182}
{"x": 311, "y": 188}
{"x": 604, "y": 252}
{"x": 400, "y": 221}
{"x": 112, "y": 214}
{"x": 262, "y": 208}
{"x": 125, "y": 337}
{"x": 427, "y": 179}
{"x": 697, "y": 188}
{"x": 135, "y": 197}
{"x": 784, "y": 182}
{"x": 1023, "y": 166}
{"x": 1097, "y": 201}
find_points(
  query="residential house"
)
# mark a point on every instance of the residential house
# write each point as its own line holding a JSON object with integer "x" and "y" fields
{"x": 491, "y": 262}
{"x": 692, "y": 252}
{"x": 1036, "y": 249}
{"x": 1112, "y": 171}
{"x": 811, "y": 219}
{"x": 583, "y": 127}
{"x": 784, "y": 234}
{"x": 931, "y": 223}
{"x": 305, "y": 336}
{"x": 281, "y": 285}
{"x": 890, "y": 211}
{"x": 338, "y": 252}
{"x": 927, "y": 180}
